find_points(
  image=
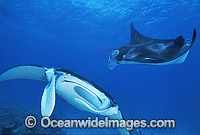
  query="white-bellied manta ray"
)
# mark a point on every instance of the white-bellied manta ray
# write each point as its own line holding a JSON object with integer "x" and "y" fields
{"x": 75, "y": 89}
{"x": 146, "y": 50}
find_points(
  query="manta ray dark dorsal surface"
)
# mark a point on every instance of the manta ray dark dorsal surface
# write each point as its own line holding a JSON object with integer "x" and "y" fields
{"x": 138, "y": 38}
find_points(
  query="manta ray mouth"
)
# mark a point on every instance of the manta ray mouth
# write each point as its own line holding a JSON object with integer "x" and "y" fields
{"x": 91, "y": 98}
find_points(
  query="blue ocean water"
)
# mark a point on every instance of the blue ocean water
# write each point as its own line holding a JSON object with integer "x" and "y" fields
{"x": 79, "y": 35}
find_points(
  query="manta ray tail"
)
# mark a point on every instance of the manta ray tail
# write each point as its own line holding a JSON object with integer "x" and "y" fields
{"x": 24, "y": 72}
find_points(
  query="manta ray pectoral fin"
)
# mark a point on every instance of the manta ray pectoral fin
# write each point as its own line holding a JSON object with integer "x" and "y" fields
{"x": 24, "y": 72}
{"x": 48, "y": 98}
{"x": 138, "y": 38}
{"x": 190, "y": 42}
{"x": 183, "y": 55}
{"x": 194, "y": 36}
{"x": 178, "y": 60}
{"x": 181, "y": 58}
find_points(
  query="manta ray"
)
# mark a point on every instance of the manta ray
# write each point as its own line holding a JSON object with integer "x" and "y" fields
{"x": 75, "y": 89}
{"x": 146, "y": 50}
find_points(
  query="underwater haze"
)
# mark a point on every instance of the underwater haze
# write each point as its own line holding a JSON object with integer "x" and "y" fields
{"x": 79, "y": 35}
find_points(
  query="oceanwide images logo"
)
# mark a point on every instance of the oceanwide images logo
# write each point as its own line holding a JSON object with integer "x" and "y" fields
{"x": 46, "y": 122}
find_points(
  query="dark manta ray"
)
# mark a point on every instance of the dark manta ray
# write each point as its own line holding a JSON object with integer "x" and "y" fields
{"x": 146, "y": 50}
